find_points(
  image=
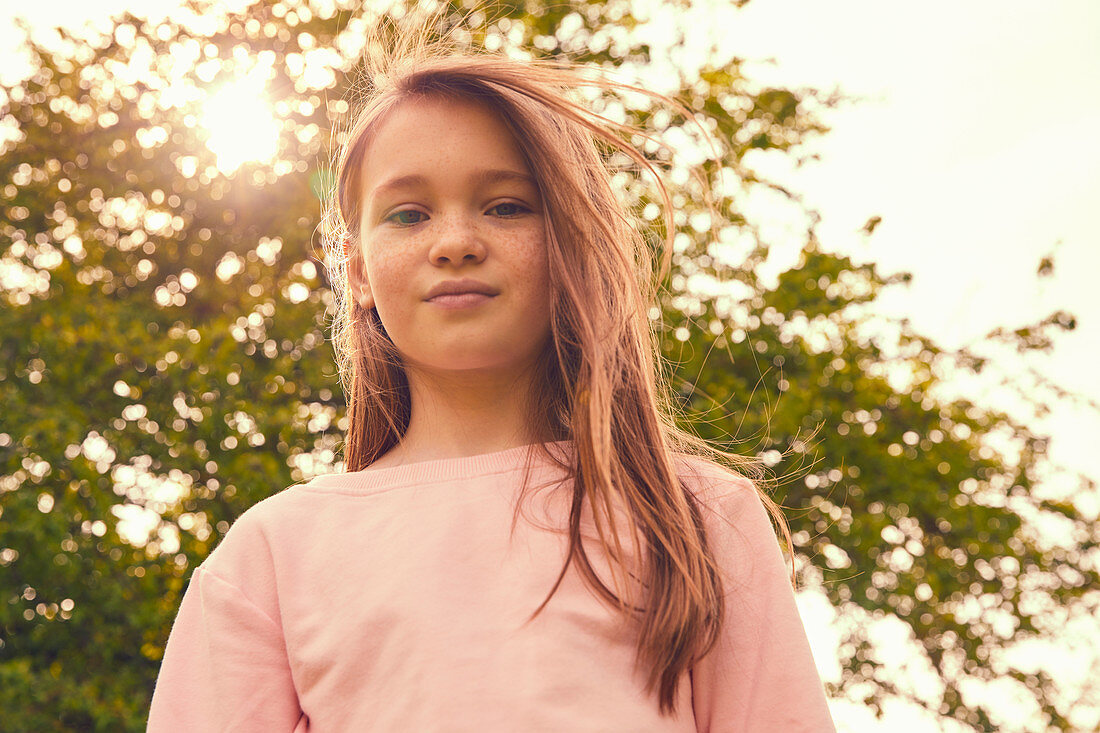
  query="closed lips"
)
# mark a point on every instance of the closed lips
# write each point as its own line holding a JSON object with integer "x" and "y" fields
{"x": 458, "y": 287}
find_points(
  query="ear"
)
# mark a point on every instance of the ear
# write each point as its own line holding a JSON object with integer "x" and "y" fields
{"x": 357, "y": 277}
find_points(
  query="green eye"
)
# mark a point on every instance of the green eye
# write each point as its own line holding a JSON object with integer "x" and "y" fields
{"x": 508, "y": 208}
{"x": 406, "y": 217}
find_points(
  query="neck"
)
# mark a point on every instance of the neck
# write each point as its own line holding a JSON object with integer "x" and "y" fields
{"x": 459, "y": 414}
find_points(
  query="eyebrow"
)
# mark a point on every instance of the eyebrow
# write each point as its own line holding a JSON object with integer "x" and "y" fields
{"x": 482, "y": 177}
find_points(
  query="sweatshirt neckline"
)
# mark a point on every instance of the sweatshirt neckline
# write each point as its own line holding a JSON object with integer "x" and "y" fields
{"x": 463, "y": 467}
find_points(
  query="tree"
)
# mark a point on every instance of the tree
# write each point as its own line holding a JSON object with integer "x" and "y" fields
{"x": 163, "y": 360}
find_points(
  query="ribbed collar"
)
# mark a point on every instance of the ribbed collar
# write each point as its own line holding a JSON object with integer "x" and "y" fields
{"x": 443, "y": 469}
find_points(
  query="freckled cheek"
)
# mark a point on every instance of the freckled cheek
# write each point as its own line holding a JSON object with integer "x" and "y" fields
{"x": 528, "y": 268}
{"x": 391, "y": 275}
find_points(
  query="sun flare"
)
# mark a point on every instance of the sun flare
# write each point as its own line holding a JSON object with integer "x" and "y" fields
{"x": 241, "y": 124}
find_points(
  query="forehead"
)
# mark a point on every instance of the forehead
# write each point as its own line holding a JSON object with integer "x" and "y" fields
{"x": 439, "y": 135}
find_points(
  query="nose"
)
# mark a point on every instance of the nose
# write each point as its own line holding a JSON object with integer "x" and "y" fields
{"x": 458, "y": 241}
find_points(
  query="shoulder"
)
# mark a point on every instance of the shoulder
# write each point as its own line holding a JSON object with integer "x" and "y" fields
{"x": 712, "y": 482}
{"x": 729, "y": 501}
{"x": 246, "y": 548}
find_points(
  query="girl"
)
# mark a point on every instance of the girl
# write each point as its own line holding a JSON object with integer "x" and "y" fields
{"x": 494, "y": 339}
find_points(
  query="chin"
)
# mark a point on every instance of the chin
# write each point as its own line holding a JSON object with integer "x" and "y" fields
{"x": 487, "y": 359}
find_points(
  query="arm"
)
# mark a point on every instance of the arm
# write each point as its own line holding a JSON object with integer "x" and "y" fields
{"x": 225, "y": 666}
{"x": 760, "y": 676}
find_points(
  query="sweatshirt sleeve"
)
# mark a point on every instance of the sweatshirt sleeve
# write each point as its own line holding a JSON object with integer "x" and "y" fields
{"x": 225, "y": 666}
{"x": 760, "y": 676}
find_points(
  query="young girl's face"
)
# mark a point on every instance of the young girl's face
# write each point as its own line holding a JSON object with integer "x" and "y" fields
{"x": 447, "y": 196}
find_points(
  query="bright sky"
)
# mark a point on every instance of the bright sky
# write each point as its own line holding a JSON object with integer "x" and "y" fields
{"x": 979, "y": 151}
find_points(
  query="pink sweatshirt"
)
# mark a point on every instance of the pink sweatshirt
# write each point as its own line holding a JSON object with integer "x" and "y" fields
{"x": 393, "y": 599}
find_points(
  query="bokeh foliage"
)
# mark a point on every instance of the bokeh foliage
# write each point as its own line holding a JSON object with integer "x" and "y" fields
{"x": 163, "y": 360}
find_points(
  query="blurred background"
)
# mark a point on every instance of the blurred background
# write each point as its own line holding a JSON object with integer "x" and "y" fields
{"x": 894, "y": 306}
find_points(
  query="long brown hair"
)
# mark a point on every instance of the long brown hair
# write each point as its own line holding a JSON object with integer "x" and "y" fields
{"x": 601, "y": 383}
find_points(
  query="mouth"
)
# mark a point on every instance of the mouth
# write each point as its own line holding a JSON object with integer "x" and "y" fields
{"x": 455, "y": 301}
{"x": 463, "y": 286}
